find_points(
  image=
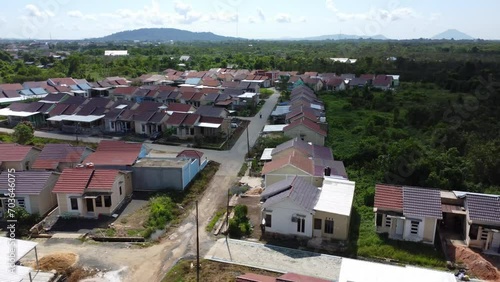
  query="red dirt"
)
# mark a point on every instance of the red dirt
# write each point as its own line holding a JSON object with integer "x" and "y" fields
{"x": 477, "y": 265}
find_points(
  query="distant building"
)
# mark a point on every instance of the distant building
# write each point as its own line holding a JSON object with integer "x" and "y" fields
{"x": 116, "y": 53}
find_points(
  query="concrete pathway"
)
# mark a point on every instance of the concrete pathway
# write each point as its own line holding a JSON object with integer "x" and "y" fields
{"x": 275, "y": 258}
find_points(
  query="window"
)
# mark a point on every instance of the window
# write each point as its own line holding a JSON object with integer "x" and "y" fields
{"x": 301, "y": 223}
{"x": 268, "y": 220}
{"x": 107, "y": 201}
{"x": 414, "y": 227}
{"x": 112, "y": 125}
{"x": 473, "y": 232}
{"x": 329, "y": 226}
{"x": 74, "y": 204}
{"x": 98, "y": 201}
{"x": 388, "y": 221}
{"x": 21, "y": 203}
{"x": 317, "y": 223}
{"x": 484, "y": 234}
{"x": 191, "y": 130}
{"x": 379, "y": 219}
{"x": 120, "y": 190}
{"x": 143, "y": 127}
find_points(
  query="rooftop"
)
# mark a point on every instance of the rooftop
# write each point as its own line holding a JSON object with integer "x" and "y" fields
{"x": 336, "y": 196}
{"x": 27, "y": 182}
{"x": 161, "y": 162}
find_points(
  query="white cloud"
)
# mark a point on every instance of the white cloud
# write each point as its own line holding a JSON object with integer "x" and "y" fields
{"x": 34, "y": 11}
{"x": 283, "y": 18}
{"x": 331, "y": 6}
{"x": 374, "y": 14}
{"x": 229, "y": 17}
{"x": 262, "y": 17}
{"x": 302, "y": 19}
{"x": 182, "y": 8}
{"x": 79, "y": 15}
{"x": 252, "y": 20}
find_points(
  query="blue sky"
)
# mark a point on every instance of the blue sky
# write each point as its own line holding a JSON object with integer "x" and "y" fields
{"x": 258, "y": 19}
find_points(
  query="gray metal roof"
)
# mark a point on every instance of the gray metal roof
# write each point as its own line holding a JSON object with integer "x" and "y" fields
{"x": 483, "y": 208}
{"x": 27, "y": 182}
{"x": 422, "y": 202}
{"x": 302, "y": 193}
{"x": 277, "y": 188}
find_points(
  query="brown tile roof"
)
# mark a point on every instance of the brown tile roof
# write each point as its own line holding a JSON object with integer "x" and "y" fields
{"x": 11, "y": 87}
{"x": 187, "y": 96}
{"x": 191, "y": 119}
{"x": 293, "y": 277}
{"x": 178, "y": 107}
{"x": 53, "y": 154}
{"x": 483, "y": 208}
{"x": 13, "y": 152}
{"x": 296, "y": 160}
{"x": 73, "y": 180}
{"x": 115, "y": 153}
{"x": 125, "y": 90}
{"x": 191, "y": 154}
{"x": 251, "y": 277}
{"x": 27, "y": 182}
{"x": 388, "y": 197}
{"x": 102, "y": 180}
{"x": 307, "y": 123}
{"x": 176, "y": 118}
{"x": 62, "y": 81}
{"x": 422, "y": 202}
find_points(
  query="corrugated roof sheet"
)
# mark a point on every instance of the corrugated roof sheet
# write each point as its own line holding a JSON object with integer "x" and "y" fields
{"x": 27, "y": 182}
{"x": 277, "y": 188}
{"x": 300, "y": 162}
{"x": 13, "y": 152}
{"x": 422, "y": 202}
{"x": 178, "y": 107}
{"x": 388, "y": 197}
{"x": 302, "y": 193}
{"x": 483, "y": 208}
{"x": 306, "y": 123}
{"x": 115, "y": 153}
{"x": 58, "y": 153}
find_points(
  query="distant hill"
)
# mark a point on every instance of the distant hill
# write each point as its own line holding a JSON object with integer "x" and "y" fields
{"x": 339, "y": 37}
{"x": 163, "y": 34}
{"x": 453, "y": 34}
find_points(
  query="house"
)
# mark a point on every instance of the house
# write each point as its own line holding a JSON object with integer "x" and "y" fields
{"x": 483, "y": 222}
{"x": 34, "y": 112}
{"x": 213, "y": 127}
{"x": 185, "y": 58}
{"x": 303, "y": 148}
{"x": 382, "y": 82}
{"x": 407, "y": 213}
{"x": 159, "y": 174}
{"x": 124, "y": 93}
{"x": 150, "y": 122}
{"x": 295, "y": 207}
{"x": 180, "y": 108}
{"x": 184, "y": 124}
{"x": 335, "y": 84}
{"x": 85, "y": 192}
{"x": 278, "y": 116}
{"x": 289, "y": 207}
{"x": 17, "y": 157}
{"x": 306, "y": 130}
{"x": 33, "y": 191}
{"x": 294, "y": 82}
{"x": 248, "y": 99}
{"x": 358, "y": 82}
{"x": 57, "y": 157}
{"x": 315, "y": 83}
{"x": 119, "y": 155}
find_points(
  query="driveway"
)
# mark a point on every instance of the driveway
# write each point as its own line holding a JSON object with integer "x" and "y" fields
{"x": 275, "y": 258}
{"x": 151, "y": 264}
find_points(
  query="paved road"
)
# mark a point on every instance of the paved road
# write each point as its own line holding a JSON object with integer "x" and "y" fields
{"x": 275, "y": 258}
{"x": 151, "y": 264}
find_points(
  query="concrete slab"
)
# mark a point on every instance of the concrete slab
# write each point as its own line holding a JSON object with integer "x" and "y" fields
{"x": 277, "y": 259}
{"x": 40, "y": 276}
{"x": 64, "y": 235}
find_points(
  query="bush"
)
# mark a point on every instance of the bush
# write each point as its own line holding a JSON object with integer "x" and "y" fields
{"x": 23, "y": 133}
{"x": 161, "y": 212}
{"x": 239, "y": 225}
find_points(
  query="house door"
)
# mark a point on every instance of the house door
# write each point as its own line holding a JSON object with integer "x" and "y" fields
{"x": 495, "y": 242}
{"x": 90, "y": 205}
{"x": 399, "y": 226}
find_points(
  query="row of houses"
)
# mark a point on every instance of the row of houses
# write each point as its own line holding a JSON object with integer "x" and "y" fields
{"x": 334, "y": 82}
{"x": 303, "y": 117}
{"x": 87, "y": 183}
{"x": 424, "y": 215}
{"x": 72, "y": 114}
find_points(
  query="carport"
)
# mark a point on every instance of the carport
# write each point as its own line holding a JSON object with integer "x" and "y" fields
{"x": 12, "y": 251}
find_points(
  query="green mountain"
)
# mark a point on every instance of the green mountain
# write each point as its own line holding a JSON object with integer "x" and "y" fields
{"x": 453, "y": 34}
{"x": 162, "y": 35}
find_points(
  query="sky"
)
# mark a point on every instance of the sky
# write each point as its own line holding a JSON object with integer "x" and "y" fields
{"x": 256, "y": 19}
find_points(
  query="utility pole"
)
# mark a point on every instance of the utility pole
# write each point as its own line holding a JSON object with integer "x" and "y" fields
{"x": 248, "y": 142}
{"x": 227, "y": 212}
{"x": 197, "y": 247}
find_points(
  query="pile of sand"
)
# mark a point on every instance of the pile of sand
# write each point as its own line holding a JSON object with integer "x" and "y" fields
{"x": 477, "y": 265}
{"x": 254, "y": 191}
{"x": 61, "y": 262}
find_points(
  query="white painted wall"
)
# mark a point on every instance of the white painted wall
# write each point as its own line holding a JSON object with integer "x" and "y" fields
{"x": 407, "y": 230}
{"x": 282, "y": 219}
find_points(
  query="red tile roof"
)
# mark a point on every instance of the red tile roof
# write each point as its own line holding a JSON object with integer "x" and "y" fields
{"x": 191, "y": 154}
{"x": 307, "y": 123}
{"x": 178, "y": 107}
{"x": 388, "y": 197}
{"x": 191, "y": 119}
{"x": 73, "y": 180}
{"x": 125, "y": 90}
{"x": 103, "y": 179}
{"x": 296, "y": 160}
{"x": 115, "y": 153}
{"x": 176, "y": 118}
{"x": 63, "y": 81}
{"x": 12, "y": 86}
{"x": 13, "y": 152}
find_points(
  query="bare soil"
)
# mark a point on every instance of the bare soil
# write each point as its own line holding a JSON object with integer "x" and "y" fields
{"x": 477, "y": 265}
{"x": 59, "y": 262}
{"x": 253, "y": 214}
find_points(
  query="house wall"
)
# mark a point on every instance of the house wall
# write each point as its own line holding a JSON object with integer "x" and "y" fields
{"x": 340, "y": 225}
{"x": 281, "y": 219}
{"x": 429, "y": 230}
{"x": 407, "y": 230}
{"x": 157, "y": 178}
{"x": 46, "y": 200}
{"x": 306, "y": 134}
{"x": 190, "y": 171}
{"x": 63, "y": 203}
{"x": 18, "y": 166}
{"x": 31, "y": 157}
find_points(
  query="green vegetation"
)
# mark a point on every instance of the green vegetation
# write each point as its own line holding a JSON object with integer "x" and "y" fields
{"x": 160, "y": 212}
{"x": 239, "y": 225}
{"x": 23, "y": 133}
{"x": 266, "y": 93}
{"x": 243, "y": 169}
{"x": 25, "y": 221}
{"x": 210, "y": 226}
{"x": 40, "y": 141}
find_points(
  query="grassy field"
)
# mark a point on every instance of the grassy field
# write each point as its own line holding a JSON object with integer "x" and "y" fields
{"x": 40, "y": 142}
{"x": 185, "y": 271}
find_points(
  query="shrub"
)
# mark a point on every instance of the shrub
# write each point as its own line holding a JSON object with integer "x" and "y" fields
{"x": 161, "y": 212}
{"x": 239, "y": 225}
{"x": 23, "y": 133}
